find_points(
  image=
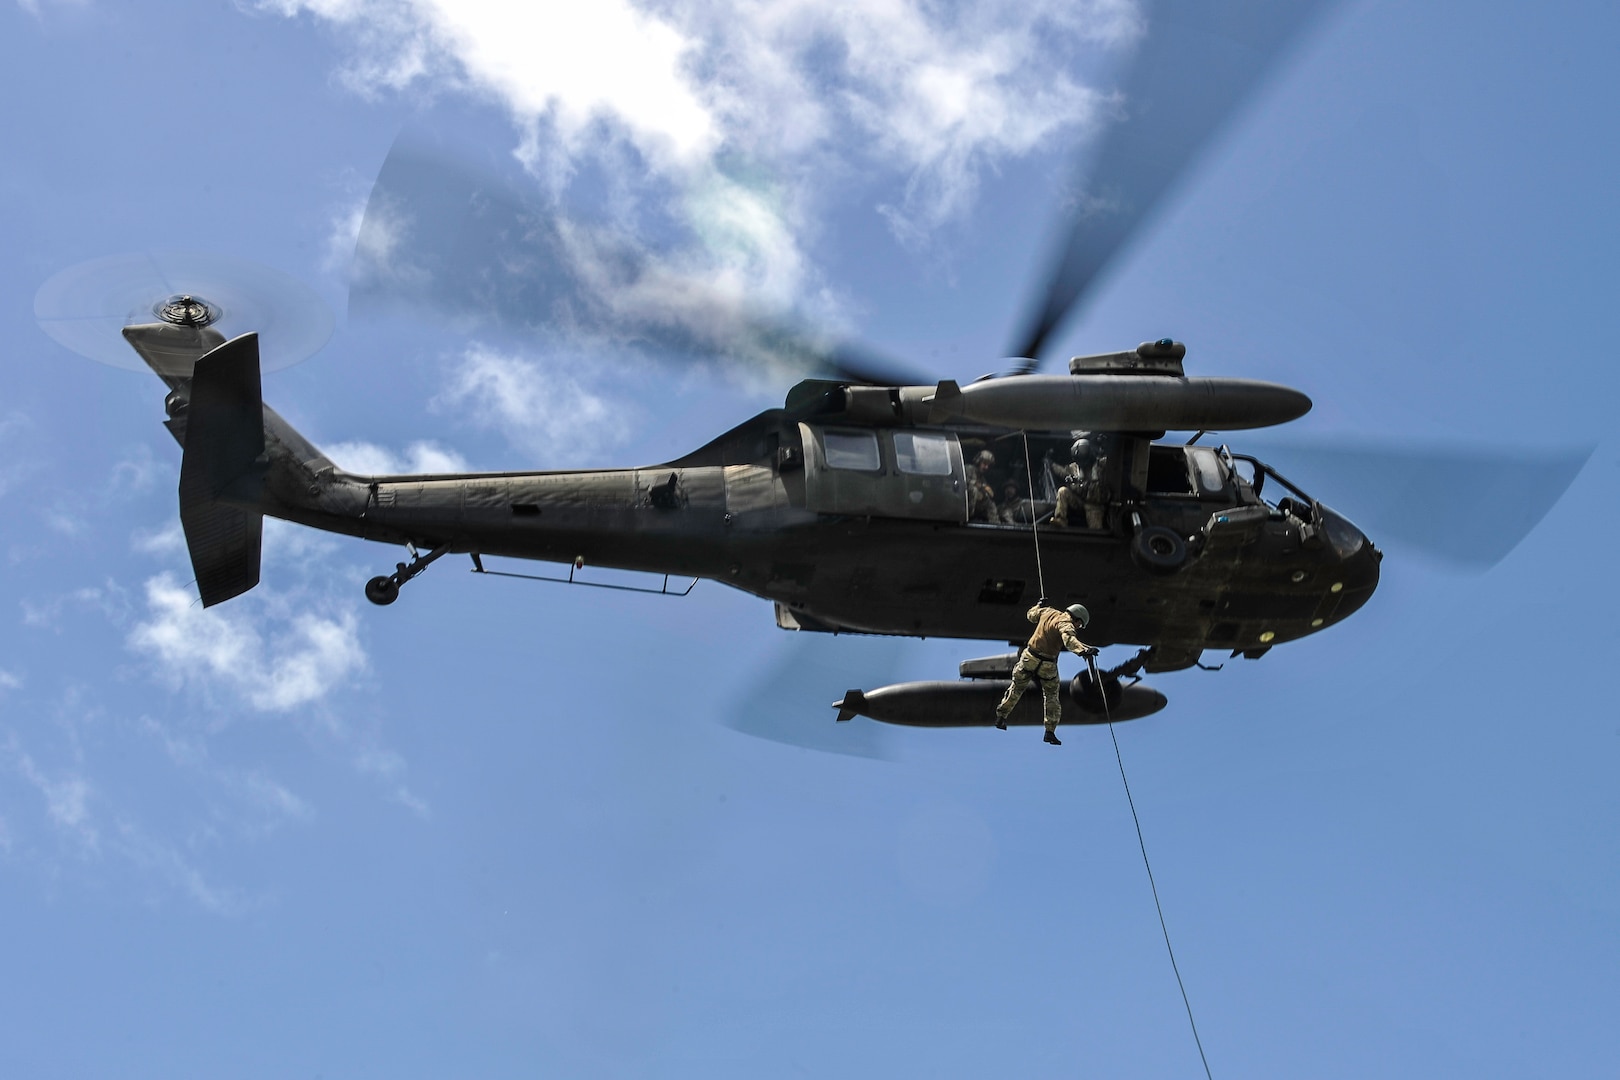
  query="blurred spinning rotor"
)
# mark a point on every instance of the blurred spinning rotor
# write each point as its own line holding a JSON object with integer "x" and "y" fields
{"x": 85, "y": 307}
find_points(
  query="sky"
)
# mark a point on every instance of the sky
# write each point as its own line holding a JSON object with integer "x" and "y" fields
{"x": 503, "y": 829}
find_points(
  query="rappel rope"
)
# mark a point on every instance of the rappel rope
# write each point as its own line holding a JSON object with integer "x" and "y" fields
{"x": 1096, "y": 681}
{"x": 1034, "y": 527}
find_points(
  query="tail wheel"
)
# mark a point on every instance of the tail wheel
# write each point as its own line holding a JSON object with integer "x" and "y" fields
{"x": 382, "y": 590}
{"x": 1159, "y": 549}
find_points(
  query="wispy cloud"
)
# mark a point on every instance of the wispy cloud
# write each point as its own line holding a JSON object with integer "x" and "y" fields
{"x": 170, "y": 864}
{"x": 580, "y": 64}
{"x": 66, "y": 794}
{"x": 110, "y": 599}
{"x": 137, "y": 472}
{"x": 269, "y": 801}
{"x": 540, "y": 405}
{"x": 369, "y": 459}
{"x": 305, "y": 657}
{"x": 96, "y": 831}
{"x": 729, "y": 117}
{"x": 165, "y": 541}
{"x": 389, "y": 767}
{"x": 14, "y": 469}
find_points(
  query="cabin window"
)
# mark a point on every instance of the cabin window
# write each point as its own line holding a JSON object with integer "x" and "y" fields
{"x": 1207, "y": 464}
{"x": 1167, "y": 471}
{"x": 851, "y": 450}
{"x": 922, "y": 455}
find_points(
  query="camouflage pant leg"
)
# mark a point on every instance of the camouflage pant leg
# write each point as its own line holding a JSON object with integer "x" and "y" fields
{"x": 1068, "y": 501}
{"x": 1096, "y": 515}
{"x": 1032, "y": 668}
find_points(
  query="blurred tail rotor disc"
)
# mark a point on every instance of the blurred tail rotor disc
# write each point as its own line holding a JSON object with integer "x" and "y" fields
{"x": 85, "y": 307}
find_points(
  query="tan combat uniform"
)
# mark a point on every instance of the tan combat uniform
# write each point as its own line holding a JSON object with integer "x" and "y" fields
{"x": 1068, "y": 496}
{"x": 1083, "y": 491}
{"x": 1054, "y": 632}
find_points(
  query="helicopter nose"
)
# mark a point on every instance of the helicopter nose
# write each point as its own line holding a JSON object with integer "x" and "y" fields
{"x": 1359, "y": 560}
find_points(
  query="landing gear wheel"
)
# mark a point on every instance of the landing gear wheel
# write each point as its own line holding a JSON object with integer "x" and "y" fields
{"x": 382, "y": 590}
{"x": 1159, "y": 549}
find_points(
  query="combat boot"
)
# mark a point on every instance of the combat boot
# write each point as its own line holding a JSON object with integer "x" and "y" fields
{"x": 1001, "y": 722}
{"x": 1051, "y": 737}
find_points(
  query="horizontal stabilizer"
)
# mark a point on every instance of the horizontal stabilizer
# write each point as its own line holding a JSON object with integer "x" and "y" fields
{"x": 221, "y": 470}
{"x": 172, "y": 351}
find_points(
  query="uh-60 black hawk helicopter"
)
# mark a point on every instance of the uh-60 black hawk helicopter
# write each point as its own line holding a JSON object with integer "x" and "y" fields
{"x": 848, "y": 508}
{"x": 856, "y": 507}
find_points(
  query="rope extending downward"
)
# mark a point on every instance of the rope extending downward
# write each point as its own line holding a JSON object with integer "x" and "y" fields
{"x": 1165, "y": 930}
{"x": 1096, "y": 681}
{"x": 1034, "y": 528}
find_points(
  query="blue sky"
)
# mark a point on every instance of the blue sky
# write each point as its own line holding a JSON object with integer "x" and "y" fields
{"x": 499, "y": 829}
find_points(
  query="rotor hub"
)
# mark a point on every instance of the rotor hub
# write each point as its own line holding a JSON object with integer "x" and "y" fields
{"x": 184, "y": 310}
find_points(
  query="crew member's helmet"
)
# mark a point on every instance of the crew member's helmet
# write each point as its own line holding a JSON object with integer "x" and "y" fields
{"x": 985, "y": 458}
{"x": 1080, "y": 615}
{"x": 1083, "y": 452}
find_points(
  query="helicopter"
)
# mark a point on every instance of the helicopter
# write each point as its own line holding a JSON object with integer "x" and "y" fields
{"x": 858, "y": 506}
{"x": 850, "y": 508}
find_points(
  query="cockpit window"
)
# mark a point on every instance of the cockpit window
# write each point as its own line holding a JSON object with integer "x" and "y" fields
{"x": 921, "y": 455}
{"x": 1207, "y": 464}
{"x": 851, "y": 450}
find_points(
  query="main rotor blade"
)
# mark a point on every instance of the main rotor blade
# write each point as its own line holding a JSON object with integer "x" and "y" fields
{"x": 791, "y": 702}
{"x": 1192, "y": 71}
{"x": 441, "y": 237}
{"x": 1467, "y": 508}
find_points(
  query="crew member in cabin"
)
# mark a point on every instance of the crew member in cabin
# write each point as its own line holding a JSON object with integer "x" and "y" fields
{"x": 981, "y": 493}
{"x": 1084, "y": 490}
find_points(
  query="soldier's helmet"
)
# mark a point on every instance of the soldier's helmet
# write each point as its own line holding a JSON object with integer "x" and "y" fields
{"x": 1084, "y": 453}
{"x": 985, "y": 458}
{"x": 1080, "y": 615}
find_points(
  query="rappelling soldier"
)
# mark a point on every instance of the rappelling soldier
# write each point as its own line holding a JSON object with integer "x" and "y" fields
{"x": 1054, "y": 631}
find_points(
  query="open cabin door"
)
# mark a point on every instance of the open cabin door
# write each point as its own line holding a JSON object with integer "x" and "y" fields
{"x": 884, "y": 472}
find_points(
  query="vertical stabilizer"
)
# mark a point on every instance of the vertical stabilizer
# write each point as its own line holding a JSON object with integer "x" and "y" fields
{"x": 223, "y": 469}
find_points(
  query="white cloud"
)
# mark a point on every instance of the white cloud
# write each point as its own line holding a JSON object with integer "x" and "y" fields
{"x": 136, "y": 473}
{"x": 272, "y": 801}
{"x": 539, "y": 405}
{"x": 389, "y": 767}
{"x": 369, "y": 459}
{"x": 271, "y": 797}
{"x": 343, "y": 235}
{"x": 65, "y": 522}
{"x": 67, "y": 796}
{"x": 304, "y": 660}
{"x": 163, "y": 859}
{"x": 166, "y": 540}
{"x": 289, "y": 544}
{"x": 934, "y": 94}
{"x": 922, "y": 98}
{"x": 578, "y": 64}
{"x": 10, "y": 681}
{"x": 371, "y": 235}
{"x": 110, "y": 599}
{"x": 14, "y": 469}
